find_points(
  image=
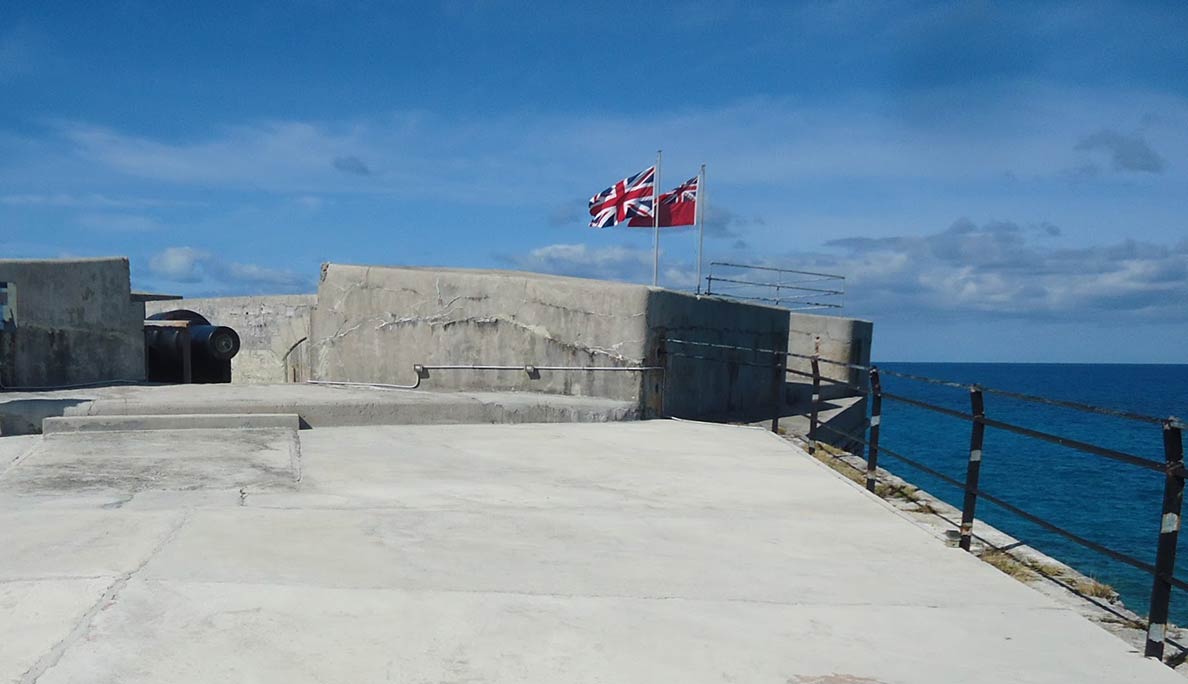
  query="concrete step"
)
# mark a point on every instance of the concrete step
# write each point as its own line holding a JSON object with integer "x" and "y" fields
{"x": 182, "y": 421}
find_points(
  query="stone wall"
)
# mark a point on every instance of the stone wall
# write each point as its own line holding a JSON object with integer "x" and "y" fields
{"x": 846, "y": 340}
{"x": 273, "y": 332}
{"x": 73, "y": 321}
{"x": 372, "y": 324}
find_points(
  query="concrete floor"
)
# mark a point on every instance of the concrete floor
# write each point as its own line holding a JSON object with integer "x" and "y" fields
{"x": 630, "y": 552}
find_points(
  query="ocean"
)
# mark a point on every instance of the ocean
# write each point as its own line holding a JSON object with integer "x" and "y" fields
{"x": 1112, "y": 503}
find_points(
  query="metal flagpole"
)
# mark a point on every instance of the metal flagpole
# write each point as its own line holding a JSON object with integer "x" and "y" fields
{"x": 700, "y": 208}
{"x": 656, "y": 224}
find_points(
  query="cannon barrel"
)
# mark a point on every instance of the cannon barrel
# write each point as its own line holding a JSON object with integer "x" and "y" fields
{"x": 211, "y": 348}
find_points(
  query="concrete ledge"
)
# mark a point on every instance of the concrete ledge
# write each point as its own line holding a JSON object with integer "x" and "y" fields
{"x": 74, "y": 424}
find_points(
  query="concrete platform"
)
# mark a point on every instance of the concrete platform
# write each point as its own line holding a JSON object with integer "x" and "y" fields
{"x": 317, "y": 405}
{"x": 657, "y": 551}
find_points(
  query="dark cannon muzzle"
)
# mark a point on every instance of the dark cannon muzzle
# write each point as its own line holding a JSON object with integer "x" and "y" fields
{"x": 211, "y": 348}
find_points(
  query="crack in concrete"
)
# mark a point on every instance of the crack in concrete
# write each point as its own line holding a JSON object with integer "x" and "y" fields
{"x": 108, "y": 598}
{"x": 20, "y": 458}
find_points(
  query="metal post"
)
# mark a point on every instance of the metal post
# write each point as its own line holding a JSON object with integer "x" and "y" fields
{"x": 656, "y": 224}
{"x": 876, "y": 417}
{"x": 1169, "y": 532}
{"x": 813, "y": 413}
{"x": 778, "y": 377}
{"x": 974, "y": 467}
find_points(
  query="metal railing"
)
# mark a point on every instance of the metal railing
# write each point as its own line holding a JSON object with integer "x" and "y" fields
{"x": 792, "y": 289}
{"x": 1171, "y": 467}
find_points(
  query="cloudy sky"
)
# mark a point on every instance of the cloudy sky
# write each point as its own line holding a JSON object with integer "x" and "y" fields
{"x": 997, "y": 181}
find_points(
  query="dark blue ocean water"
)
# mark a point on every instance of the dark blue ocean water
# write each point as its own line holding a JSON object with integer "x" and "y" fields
{"x": 1112, "y": 503}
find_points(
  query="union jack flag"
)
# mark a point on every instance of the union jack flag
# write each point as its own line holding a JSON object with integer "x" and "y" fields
{"x": 629, "y": 198}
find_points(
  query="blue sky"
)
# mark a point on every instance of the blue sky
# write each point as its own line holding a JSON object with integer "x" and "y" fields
{"x": 998, "y": 181}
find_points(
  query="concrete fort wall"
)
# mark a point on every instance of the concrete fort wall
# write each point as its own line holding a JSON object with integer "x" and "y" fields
{"x": 846, "y": 340}
{"x": 372, "y": 324}
{"x": 69, "y": 321}
{"x": 273, "y": 332}
{"x": 715, "y": 382}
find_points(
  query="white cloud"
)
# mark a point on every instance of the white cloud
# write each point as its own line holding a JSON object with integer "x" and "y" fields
{"x": 179, "y": 264}
{"x": 190, "y": 266}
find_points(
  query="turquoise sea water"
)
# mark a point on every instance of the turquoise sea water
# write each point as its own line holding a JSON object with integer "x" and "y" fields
{"x": 1112, "y": 503}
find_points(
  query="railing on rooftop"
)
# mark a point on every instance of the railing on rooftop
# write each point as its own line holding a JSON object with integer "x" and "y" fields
{"x": 791, "y": 289}
{"x": 1171, "y": 467}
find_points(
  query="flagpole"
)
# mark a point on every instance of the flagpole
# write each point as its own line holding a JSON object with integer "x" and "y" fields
{"x": 700, "y": 206}
{"x": 656, "y": 224}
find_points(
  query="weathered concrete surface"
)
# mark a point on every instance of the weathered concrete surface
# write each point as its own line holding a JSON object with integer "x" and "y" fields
{"x": 641, "y": 552}
{"x": 372, "y": 324}
{"x": 317, "y": 405}
{"x": 74, "y": 322}
{"x": 272, "y": 332}
{"x": 127, "y": 461}
{"x": 844, "y": 340}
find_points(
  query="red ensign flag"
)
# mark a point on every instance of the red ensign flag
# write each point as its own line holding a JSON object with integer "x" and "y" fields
{"x": 677, "y": 208}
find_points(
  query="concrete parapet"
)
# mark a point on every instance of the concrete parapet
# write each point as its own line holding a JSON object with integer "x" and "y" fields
{"x": 372, "y": 324}
{"x": 844, "y": 340}
{"x": 69, "y": 321}
{"x": 273, "y": 332}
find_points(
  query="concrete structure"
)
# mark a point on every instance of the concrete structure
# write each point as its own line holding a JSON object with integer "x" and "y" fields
{"x": 835, "y": 338}
{"x": 654, "y": 551}
{"x": 273, "y": 331}
{"x": 69, "y": 321}
{"x": 372, "y": 324}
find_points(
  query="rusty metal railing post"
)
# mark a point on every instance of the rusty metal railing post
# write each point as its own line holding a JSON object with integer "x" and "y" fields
{"x": 876, "y": 417}
{"x": 814, "y": 409}
{"x": 1169, "y": 533}
{"x": 974, "y": 467}
{"x": 778, "y": 377}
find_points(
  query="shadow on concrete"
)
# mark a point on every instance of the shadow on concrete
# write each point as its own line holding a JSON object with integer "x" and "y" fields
{"x": 24, "y": 416}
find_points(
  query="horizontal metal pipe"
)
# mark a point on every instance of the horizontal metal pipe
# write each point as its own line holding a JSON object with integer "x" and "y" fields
{"x": 831, "y": 276}
{"x": 722, "y": 360}
{"x": 856, "y": 388}
{"x": 854, "y": 366}
{"x": 620, "y": 369}
{"x": 777, "y": 300}
{"x": 780, "y": 286}
{"x": 1121, "y": 456}
{"x": 379, "y": 385}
